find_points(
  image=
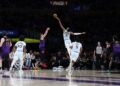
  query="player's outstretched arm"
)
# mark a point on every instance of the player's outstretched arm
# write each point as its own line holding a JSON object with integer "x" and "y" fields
{"x": 60, "y": 23}
{"x": 46, "y": 32}
{"x": 77, "y": 33}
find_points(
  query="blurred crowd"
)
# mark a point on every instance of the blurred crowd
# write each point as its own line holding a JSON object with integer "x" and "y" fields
{"x": 103, "y": 57}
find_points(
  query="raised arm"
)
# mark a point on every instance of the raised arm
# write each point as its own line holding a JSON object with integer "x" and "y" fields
{"x": 2, "y": 41}
{"x": 72, "y": 33}
{"x": 60, "y": 23}
{"x": 46, "y": 32}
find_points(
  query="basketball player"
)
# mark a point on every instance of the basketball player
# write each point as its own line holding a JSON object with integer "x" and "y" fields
{"x": 66, "y": 34}
{"x": 42, "y": 41}
{"x": 76, "y": 49}
{"x": 20, "y": 47}
{"x": 5, "y": 44}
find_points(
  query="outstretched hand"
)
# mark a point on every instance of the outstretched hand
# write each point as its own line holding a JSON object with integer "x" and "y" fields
{"x": 55, "y": 16}
{"x": 48, "y": 28}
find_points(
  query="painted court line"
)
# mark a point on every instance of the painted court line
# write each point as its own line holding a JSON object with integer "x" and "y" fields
{"x": 63, "y": 79}
{"x": 97, "y": 77}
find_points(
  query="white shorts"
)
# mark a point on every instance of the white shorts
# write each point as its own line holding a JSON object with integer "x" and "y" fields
{"x": 67, "y": 43}
{"x": 18, "y": 55}
{"x": 74, "y": 56}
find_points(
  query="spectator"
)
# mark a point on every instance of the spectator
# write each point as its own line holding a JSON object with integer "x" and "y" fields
{"x": 98, "y": 55}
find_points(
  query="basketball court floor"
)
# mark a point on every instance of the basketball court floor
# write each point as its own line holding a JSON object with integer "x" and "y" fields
{"x": 59, "y": 78}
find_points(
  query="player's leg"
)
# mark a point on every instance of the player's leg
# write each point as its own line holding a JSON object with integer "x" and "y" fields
{"x": 71, "y": 68}
{"x": 21, "y": 64}
{"x": 0, "y": 63}
{"x": 21, "y": 56}
{"x": 67, "y": 69}
{"x": 68, "y": 50}
{"x": 67, "y": 45}
{"x": 12, "y": 64}
{"x": 73, "y": 58}
{"x": 15, "y": 58}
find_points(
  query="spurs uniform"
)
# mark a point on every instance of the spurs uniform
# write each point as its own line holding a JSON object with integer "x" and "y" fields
{"x": 18, "y": 55}
{"x": 76, "y": 46}
{"x": 19, "y": 51}
{"x": 66, "y": 37}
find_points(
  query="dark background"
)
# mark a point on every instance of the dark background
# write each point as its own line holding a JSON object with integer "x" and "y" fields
{"x": 100, "y": 19}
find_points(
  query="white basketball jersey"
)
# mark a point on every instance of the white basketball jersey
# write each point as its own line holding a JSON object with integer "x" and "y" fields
{"x": 76, "y": 47}
{"x": 66, "y": 35}
{"x": 20, "y": 45}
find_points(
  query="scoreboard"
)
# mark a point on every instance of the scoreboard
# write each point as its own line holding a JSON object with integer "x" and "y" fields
{"x": 59, "y": 2}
